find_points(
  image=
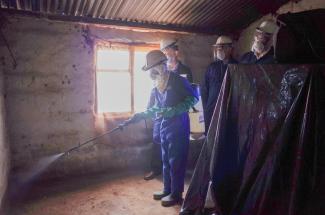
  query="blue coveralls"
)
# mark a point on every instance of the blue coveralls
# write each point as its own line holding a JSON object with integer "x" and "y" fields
{"x": 210, "y": 88}
{"x": 174, "y": 133}
{"x": 155, "y": 160}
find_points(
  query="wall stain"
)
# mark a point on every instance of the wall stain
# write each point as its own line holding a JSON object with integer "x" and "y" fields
{"x": 88, "y": 41}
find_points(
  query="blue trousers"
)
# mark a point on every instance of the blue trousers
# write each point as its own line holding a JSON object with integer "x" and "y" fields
{"x": 155, "y": 160}
{"x": 174, "y": 135}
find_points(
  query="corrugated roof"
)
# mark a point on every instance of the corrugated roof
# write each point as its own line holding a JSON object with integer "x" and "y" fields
{"x": 206, "y": 16}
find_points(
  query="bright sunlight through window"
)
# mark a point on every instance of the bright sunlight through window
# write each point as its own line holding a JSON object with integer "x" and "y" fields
{"x": 142, "y": 82}
{"x": 116, "y": 69}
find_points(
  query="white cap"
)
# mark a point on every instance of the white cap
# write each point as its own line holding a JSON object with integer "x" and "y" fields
{"x": 223, "y": 40}
{"x": 268, "y": 26}
{"x": 165, "y": 43}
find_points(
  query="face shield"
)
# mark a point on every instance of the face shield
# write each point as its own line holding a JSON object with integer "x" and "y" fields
{"x": 262, "y": 41}
{"x": 154, "y": 73}
{"x": 221, "y": 51}
{"x": 171, "y": 53}
{"x": 157, "y": 72}
{"x": 160, "y": 75}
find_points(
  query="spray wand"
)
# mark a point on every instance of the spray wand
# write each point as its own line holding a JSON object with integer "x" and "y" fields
{"x": 119, "y": 127}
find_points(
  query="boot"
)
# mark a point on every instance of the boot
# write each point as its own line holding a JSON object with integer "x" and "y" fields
{"x": 210, "y": 211}
{"x": 171, "y": 200}
{"x": 159, "y": 195}
{"x": 186, "y": 213}
{"x": 191, "y": 212}
{"x": 151, "y": 175}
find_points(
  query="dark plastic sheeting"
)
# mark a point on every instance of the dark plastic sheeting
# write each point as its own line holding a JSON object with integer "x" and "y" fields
{"x": 264, "y": 151}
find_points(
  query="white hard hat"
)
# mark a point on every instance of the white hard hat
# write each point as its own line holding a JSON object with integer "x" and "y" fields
{"x": 268, "y": 26}
{"x": 165, "y": 43}
{"x": 154, "y": 58}
{"x": 223, "y": 40}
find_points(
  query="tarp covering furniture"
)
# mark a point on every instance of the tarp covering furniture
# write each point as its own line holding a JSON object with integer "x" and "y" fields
{"x": 264, "y": 153}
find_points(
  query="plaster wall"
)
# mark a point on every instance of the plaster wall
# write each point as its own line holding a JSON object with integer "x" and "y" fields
{"x": 50, "y": 94}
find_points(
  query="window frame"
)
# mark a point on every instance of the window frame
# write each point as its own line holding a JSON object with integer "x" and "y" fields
{"x": 132, "y": 48}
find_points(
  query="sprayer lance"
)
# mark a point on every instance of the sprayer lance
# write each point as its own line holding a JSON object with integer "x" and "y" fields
{"x": 120, "y": 127}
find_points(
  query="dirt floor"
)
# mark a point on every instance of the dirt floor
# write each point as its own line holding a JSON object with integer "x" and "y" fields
{"x": 105, "y": 194}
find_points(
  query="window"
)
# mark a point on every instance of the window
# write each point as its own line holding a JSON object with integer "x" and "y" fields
{"x": 121, "y": 85}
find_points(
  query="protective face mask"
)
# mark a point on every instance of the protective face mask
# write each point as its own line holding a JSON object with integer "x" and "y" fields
{"x": 154, "y": 74}
{"x": 258, "y": 46}
{"x": 160, "y": 76}
{"x": 171, "y": 63}
{"x": 221, "y": 55}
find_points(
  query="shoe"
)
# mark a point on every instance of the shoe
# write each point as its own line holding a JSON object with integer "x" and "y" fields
{"x": 187, "y": 212}
{"x": 210, "y": 211}
{"x": 159, "y": 195}
{"x": 151, "y": 175}
{"x": 171, "y": 200}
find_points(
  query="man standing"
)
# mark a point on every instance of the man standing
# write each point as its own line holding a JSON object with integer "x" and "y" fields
{"x": 173, "y": 97}
{"x": 170, "y": 48}
{"x": 214, "y": 75}
{"x": 262, "y": 51}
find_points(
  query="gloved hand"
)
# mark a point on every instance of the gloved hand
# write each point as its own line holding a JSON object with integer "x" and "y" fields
{"x": 135, "y": 118}
{"x": 160, "y": 112}
{"x": 169, "y": 112}
{"x": 182, "y": 107}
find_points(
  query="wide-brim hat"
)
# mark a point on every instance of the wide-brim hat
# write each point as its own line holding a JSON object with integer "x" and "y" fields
{"x": 154, "y": 58}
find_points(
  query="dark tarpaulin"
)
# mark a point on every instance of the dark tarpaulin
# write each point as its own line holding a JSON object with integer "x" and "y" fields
{"x": 302, "y": 38}
{"x": 264, "y": 151}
